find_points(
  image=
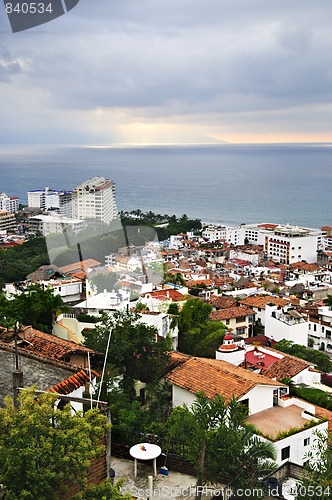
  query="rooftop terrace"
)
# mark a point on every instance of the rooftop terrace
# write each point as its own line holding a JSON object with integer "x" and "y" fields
{"x": 277, "y": 419}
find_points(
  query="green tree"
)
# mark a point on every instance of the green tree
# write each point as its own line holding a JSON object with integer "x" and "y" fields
{"x": 219, "y": 443}
{"x": 317, "y": 482}
{"x": 198, "y": 335}
{"x": 135, "y": 349}
{"x": 322, "y": 360}
{"x": 17, "y": 262}
{"x": 43, "y": 450}
{"x": 35, "y": 306}
{"x": 105, "y": 282}
{"x": 328, "y": 301}
{"x": 106, "y": 490}
{"x": 176, "y": 279}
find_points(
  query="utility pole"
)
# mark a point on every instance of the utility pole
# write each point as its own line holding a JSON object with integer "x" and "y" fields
{"x": 17, "y": 372}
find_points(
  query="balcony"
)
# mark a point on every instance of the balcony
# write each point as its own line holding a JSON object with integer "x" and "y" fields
{"x": 290, "y": 318}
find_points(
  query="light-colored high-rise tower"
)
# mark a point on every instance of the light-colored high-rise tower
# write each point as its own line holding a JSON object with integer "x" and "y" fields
{"x": 95, "y": 199}
{"x": 9, "y": 203}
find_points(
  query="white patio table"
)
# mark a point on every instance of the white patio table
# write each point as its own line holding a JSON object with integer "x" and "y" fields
{"x": 145, "y": 451}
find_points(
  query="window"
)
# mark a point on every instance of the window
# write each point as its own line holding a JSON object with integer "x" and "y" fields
{"x": 314, "y": 328}
{"x": 285, "y": 453}
{"x": 328, "y": 334}
{"x": 306, "y": 442}
{"x": 240, "y": 319}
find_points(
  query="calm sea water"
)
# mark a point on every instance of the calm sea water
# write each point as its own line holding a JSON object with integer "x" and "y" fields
{"x": 221, "y": 183}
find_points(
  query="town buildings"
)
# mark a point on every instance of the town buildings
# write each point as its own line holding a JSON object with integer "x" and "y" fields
{"x": 287, "y": 422}
{"x": 95, "y": 199}
{"x": 55, "y": 224}
{"x": 9, "y": 203}
{"x": 51, "y": 199}
{"x": 320, "y": 327}
{"x": 7, "y": 221}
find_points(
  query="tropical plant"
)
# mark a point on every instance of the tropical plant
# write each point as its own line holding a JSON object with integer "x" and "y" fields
{"x": 198, "y": 335}
{"x": 107, "y": 490}
{"x": 134, "y": 348}
{"x": 43, "y": 449}
{"x": 35, "y": 306}
{"x": 217, "y": 440}
{"x": 328, "y": 301}
{"x": 317, "y": 482}
{"x": 322, "y": 360}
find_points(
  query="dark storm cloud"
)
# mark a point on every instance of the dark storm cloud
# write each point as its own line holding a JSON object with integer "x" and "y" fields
{"x": 158, "y": 58}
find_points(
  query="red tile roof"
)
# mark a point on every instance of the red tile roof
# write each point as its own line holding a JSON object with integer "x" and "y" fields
{"x": 206, "y": 282}
{"x": 222, "y": 302}
{"x": 288, "y": 366}
{"x": 49, "y": 346}
{"x": 167, "y": 294}
{"x": 175, "y": 359}
{"x": 261, "y": 301}
{"x": 261, "y": 339}
{"x": 230, "y": 313}
{"x": 72, "y": 383}
{"x": 216, "y": 377}
{"x": 268, "y": 226}
{"x": 79, "y": 266}
{"x": 304, "y": 266}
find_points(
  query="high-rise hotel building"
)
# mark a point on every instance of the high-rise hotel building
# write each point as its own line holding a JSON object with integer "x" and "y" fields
{"x": 95, "y": 199}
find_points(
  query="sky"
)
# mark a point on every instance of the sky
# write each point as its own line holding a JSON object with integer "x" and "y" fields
{"x": 175, "y": 71}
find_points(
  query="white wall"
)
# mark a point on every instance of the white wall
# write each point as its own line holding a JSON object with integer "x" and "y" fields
{"x": 162, "y": 322}
{"x": 260, "y": 398}
{"x": 182, "y": 396}
{"x": 307, "y": 377}
{"x": 296, "y": 443}
{"x": 297, "y": 332}
{"x": 235, "y": 358}
{"x": 70, "y": 329}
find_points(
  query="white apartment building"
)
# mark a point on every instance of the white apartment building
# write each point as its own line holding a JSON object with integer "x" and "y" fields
{"x": 233, "y": 235}
{"x": 214, "y": 233}
{"x": 289, "y": 244}
{"x": 285, "y": 324}
{"x": 9, "y": 203}
{"x": 50, "y": 199}
{"x": 248, "y": 234}
{"x": 60, "y": 201}
{"x": 95, "y": 199}
{"x": 48, "y": 224}
{"x": 320, "y": 329}
{"x": 283, "y": 243}
{"x": 163, "y": 323}
{"x": 7, "y": 221}
{"x": 37, "y": 197}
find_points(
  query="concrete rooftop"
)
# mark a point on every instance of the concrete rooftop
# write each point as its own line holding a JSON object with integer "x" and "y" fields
{"x": 174, "y": 486}
{"x": 277, "y": 419}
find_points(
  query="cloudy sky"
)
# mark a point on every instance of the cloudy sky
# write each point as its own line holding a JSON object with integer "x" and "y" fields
{"x": 170, "y": 71}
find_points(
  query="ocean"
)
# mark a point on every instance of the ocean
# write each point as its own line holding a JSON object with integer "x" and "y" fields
{"x": 223, "y": 183}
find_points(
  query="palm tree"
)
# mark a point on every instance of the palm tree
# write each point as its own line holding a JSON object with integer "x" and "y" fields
{"x": 328, "y": 301}
{"x": 222, "y": 447}
{"x": 249, "y": 459}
